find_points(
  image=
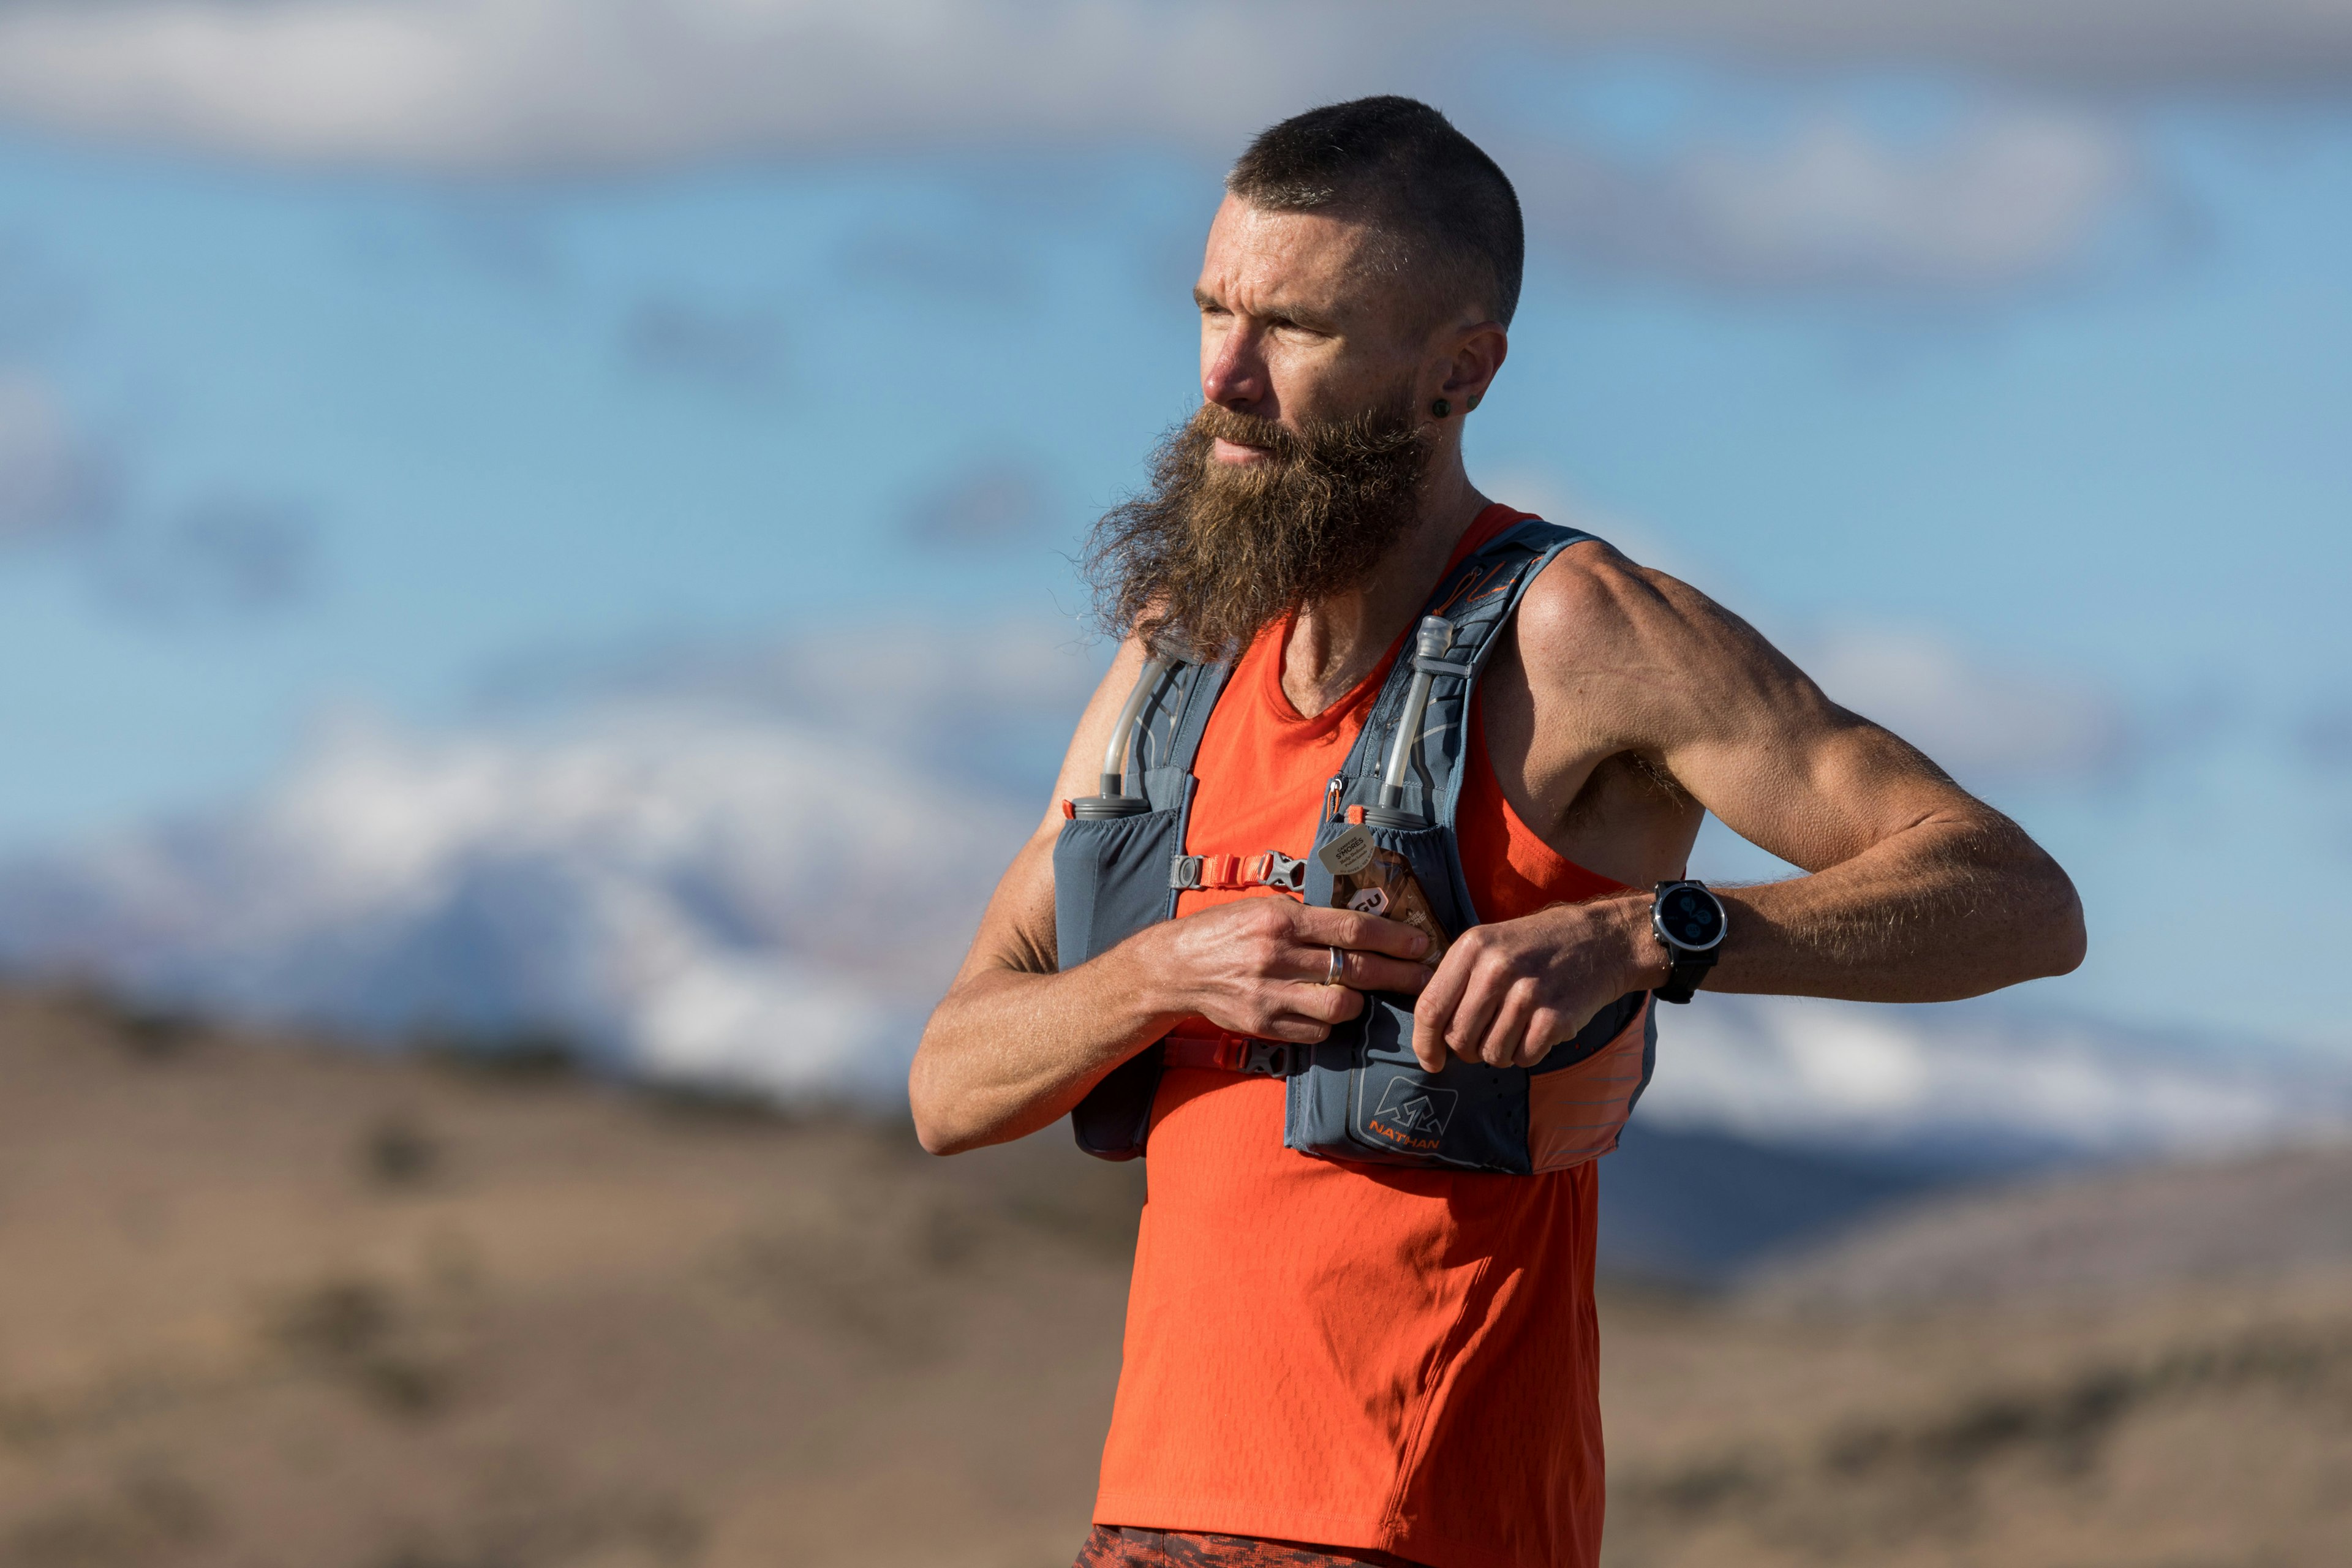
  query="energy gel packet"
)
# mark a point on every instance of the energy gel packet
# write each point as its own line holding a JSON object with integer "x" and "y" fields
{"x": 1376, "y": 881}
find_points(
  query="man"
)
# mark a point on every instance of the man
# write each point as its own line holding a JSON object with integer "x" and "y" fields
{"x": 1334, "y": 1361}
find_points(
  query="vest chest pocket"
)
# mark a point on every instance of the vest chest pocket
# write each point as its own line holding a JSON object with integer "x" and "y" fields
{"x": 1364, "y": 1098}
{"x": 1110, "y": 880}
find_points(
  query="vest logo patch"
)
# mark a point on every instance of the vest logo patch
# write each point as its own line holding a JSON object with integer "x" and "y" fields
{"x": 1413, "y": 1115}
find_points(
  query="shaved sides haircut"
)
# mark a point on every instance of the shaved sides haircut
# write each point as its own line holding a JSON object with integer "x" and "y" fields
{"x": 1400, "y": 166}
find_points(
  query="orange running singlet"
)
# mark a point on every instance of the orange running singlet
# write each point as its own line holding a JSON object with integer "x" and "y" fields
{"x": 1361, "y": 1356}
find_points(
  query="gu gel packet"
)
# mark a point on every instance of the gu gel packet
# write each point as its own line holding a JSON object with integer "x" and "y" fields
{"x": 1376, "y": 881}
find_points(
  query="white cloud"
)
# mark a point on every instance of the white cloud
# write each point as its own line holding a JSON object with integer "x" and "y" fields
{"x": 522, "y": 83}
{"x": 536, "y": 85}
{"x": 2009, "y": 191}
{"x": 508, "y": 83}
{"x": 1979, "y": 719}
{"x": 2262, "y": 45}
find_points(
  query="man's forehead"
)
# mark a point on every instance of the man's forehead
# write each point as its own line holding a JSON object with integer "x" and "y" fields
{"x": 1257, "y": 258}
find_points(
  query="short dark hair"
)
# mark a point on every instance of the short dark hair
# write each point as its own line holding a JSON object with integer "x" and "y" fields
{"x": 1403, "y": 167}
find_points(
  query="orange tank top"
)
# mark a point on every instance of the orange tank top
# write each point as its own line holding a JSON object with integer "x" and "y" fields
{"x": 1369, "y": 1357}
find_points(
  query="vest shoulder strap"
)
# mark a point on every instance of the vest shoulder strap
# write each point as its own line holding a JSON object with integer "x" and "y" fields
{"x": 1478, "y": 597}
{"x": 1168, "y": 734}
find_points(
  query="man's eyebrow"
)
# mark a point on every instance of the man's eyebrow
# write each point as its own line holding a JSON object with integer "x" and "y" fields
{"x": 1307, "y": 319}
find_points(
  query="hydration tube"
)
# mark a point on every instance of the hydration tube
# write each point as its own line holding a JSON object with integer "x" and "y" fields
{"x": 1112, "y": 801}
{"x": 1430, "y": 642}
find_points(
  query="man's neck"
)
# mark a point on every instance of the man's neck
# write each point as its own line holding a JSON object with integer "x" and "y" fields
{"x": 1337, "y": 641}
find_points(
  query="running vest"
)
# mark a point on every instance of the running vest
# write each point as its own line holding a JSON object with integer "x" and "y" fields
{"x": 1358, "y": 1095}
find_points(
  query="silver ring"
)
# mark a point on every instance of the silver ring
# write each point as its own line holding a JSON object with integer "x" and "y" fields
{"x": 1338, "y": 963}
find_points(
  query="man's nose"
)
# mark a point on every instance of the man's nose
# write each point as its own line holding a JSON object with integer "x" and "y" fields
{"x": 1236, "y": 376}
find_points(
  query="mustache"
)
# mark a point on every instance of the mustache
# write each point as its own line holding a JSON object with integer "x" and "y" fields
{"x": 1218, "y": 422}
{"x": 1329, "y": 442}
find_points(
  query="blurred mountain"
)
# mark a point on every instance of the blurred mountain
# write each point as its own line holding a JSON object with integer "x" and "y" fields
{"x": 2094, "y": 1236}
{"x": 1693, "y": 1208}
{"x": 691, "y": 896}
{"x": 761, "y": 871}
{"x": 756, "y": 868}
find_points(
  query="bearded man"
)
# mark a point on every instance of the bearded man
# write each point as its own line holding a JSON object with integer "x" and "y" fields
{"x": 1361, "y": 1324}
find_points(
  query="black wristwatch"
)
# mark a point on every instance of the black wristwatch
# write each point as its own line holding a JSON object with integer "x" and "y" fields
{"x": 1689, "y": 920}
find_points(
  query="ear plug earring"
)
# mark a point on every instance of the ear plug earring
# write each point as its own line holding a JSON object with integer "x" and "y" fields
{"x": 1441, "y": 408}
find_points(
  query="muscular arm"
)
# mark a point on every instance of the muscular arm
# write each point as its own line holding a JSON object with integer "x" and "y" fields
{"x": 1915, "y": 891}
{"x": 1017, "y": 1042}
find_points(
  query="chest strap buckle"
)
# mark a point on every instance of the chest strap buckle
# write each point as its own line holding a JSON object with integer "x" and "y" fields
{"x": 1223, "y": 1052}
{"x": 1271, "y": 869}
{"x": 1271, "y": 1059}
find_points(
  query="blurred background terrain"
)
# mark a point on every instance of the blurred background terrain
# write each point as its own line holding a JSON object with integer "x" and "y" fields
{"x": 272, "y": 1303}
{"x": 536, "y": 597}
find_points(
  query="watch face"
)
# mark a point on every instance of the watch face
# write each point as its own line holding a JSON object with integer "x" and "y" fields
{"x": 1689, "y": 917}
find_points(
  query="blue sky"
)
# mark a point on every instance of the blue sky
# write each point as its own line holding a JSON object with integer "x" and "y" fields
{"x": 308, "y": 437}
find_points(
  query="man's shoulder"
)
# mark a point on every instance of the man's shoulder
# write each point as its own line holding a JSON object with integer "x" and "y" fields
{"x": 1600, "y": 633}
{"x": 1592, "y": 595}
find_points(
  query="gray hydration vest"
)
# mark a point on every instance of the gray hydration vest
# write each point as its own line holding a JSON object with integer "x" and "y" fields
{"x": 1359, "y": 1095}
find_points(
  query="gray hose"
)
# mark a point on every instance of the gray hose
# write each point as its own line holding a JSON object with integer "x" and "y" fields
{"x": 1430, "y": 642}
{"x": 1123, "y": 734}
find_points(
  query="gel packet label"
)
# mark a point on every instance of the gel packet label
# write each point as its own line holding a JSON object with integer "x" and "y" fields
{"x": 1376, "y": 881}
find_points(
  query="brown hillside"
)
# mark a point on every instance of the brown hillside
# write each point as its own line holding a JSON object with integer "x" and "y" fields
{"x": 2096, "y": 1237}
{"x": 265, "y": 1307}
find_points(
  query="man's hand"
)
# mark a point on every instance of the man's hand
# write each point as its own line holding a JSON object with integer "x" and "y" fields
{"x": 1259, "y": 966}
{"x": 1505, "y": 993}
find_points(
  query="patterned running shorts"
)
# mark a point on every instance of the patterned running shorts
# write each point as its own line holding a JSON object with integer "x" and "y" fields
{"x": 1123, "y": 1546}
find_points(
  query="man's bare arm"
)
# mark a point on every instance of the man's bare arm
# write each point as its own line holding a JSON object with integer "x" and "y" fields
{"x": 1016, "y": 1043}
{"x": 1916, "y": 891}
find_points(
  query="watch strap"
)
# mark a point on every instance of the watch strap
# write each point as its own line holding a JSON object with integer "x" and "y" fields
{"x": 1683, "y": 974}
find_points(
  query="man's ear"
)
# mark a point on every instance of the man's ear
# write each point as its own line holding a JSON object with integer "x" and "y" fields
{"x": 1477, "y": 353}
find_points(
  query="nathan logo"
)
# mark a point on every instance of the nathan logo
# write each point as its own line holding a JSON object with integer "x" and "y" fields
{"x": 1413, "y": 1115}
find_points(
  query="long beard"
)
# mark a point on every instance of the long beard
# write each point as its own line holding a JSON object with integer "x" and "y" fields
{"x": 1213, "y": 554}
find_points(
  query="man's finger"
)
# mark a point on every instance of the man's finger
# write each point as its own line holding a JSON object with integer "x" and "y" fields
{"x": 1324, "y": 1004}
{"x": 1543, "y": 1033}
{"x": 1367, "y": 972}
{"x": 1433, "y": 1013}
{"x": 1362, "y": 933}
{"x": 1500, "y": 1048}
{"x": 1467, "y": 1034}
{"x": 1295, "y": 1028}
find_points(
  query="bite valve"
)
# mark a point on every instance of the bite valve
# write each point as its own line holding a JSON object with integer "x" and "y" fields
{"x": 1435, "y": 639}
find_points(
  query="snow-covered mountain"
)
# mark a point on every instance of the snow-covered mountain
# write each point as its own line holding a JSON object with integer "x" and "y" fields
{"x": 759, "y": 869}
{"x": 692, "y": 894}
{"x": 1990, "y": 1082}
{"x": 763, "y": 871}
